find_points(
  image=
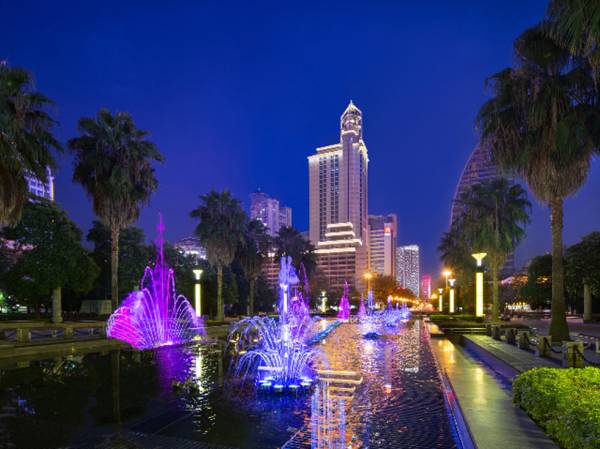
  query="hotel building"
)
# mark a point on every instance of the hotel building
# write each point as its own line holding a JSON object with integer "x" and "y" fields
{"x": 382, "y": 244}
{"x": 270, "y": 211}
{"x": 338, "y": 191}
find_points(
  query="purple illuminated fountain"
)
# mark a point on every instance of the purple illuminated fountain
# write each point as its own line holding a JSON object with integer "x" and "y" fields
{"x": 275, "y": 351}
{"x": 344, "y": 307}
{"x": 362, "y": 309}
{"x": 155, "y": 315}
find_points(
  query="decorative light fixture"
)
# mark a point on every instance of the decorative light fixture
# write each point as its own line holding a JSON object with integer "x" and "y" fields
{"x": 441, "y": 299}
{"x": 198, "y": 292}
{"x": 451, "y": 304}
{"x": 479, "y": 283}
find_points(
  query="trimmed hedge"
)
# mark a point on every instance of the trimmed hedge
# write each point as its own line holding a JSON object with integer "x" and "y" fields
{"x": 457, "y": 317}
{"x": 565, "y": 402}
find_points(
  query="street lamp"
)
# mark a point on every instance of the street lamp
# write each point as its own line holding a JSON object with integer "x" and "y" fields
{"x": 198, "y": 293}
{"x": 323, "y": 301}
{"x": 441, "y": 299}
{"x": 479, "y": 283}
{"x": 451, "y": 306}
{"x": 447, "y": 274}
{"x": 368, "y": 277}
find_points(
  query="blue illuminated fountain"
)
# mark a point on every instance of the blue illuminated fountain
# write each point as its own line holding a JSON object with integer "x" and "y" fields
{"x": 274, "y": 352}
{"x": 155, "y": 315}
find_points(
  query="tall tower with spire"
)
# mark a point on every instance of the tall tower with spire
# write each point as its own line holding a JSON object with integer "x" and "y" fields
{"x": 338, "y": 196}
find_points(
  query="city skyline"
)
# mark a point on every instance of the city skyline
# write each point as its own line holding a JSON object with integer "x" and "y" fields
{"x": 193, "y": 103}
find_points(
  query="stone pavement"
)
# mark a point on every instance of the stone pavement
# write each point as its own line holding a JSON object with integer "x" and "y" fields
{"x": 518, "y": 359}
{"x": 493, "y": 420}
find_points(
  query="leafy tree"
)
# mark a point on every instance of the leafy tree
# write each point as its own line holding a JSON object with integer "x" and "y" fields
{"x": 134, "y": 256}
{"x": 383, "y": 286}
{"x": 252, "y": 252}
{"x": 113, "y": 163}
{"x": 26, "y": 140}
{"x": 221, "y": 227}
{"x": 537, "y": 291}
{"x": 542, "y": 124}
{"x": 50, "y": 255}
{"x": 290, "y": 242}
{"x": 583, "y": 264}
{"x": 495, "y": 212}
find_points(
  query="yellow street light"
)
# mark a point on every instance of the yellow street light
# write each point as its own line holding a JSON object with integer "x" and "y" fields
{"x": 479, "y": 283}
{"x": 451, "y": 305}
{"x": 441, "y": 299}
{"x": 198, "y": 293}
{"x": 447, "y": 274}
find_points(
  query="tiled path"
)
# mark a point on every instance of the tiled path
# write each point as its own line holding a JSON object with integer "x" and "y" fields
{"x": 494, "y": 421}
{"x": 519, "y": 359}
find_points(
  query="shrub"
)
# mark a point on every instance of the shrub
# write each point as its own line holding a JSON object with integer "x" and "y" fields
{"x": 457, "y": 317}
{"x": 565, "y": 402}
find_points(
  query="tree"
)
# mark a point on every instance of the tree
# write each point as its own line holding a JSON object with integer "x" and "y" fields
{"x": 456, "y": 250}
{"x": 583, "y": 270}
{"x": 26, "y": 141}
{"x": 222, "y": 223}
{"x": 542, "y": 124}
{"x": 383, "y": 286}
{"x": 113, "y": 163}
{"x": 290, "y": 242}
{"x": 575, "y": 25}
{"x": 537, "y": 291}
{"x": 495, "y": 212}
{"x": 49, "y": 255}
{"x": 251, "y": 254}
{"x": 134, "y": 256}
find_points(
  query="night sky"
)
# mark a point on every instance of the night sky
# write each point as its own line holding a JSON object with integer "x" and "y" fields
{"x": 238, "y": 94}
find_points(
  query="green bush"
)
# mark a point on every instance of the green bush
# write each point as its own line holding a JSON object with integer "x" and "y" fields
{"x": 565, "y": 402}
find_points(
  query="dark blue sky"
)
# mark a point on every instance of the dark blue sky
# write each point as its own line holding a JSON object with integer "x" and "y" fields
{"x": 238, "y": 94}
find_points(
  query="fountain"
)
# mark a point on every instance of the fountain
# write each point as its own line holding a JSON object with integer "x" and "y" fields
{"x": 275, "y": 351}
{"x": 361, "y": 309}
{"x": 155, "y": 315}
{"x": 344, "y": 307}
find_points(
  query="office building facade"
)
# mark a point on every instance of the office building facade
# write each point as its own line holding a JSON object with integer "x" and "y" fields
{"x": 338, "y": 188}
{"x": 407, "y": 268}
{"x": 270, "y": 212}
{"x": 383, "y": 236}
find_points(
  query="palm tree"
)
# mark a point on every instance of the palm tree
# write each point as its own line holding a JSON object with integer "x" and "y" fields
{"x": 221, "y": 227}
{"x": 541, "y": 125}
{"x": 25, "y": 140}
{"x": 455, "y": 252}
{"x": 251, "y": 253}
{"x": 290, "y": 242}
{"x": 113, "y": 163}
{"x": 495, "y": 212}
{"x": 575, "y": 25}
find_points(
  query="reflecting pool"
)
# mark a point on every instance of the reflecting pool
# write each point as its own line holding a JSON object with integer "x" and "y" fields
{"x": 382, "y": 392}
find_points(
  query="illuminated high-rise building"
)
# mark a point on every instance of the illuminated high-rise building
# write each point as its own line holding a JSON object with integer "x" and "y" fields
{"x": 425, "y": 286}
{"x": 338, "y": 190}
{"x": 479, "y": 168}
{"x": 40, "y": 188}
{"x": 270, "y": 212}
{"x": 382, "y": 244}
{"x": 407, "y": 268}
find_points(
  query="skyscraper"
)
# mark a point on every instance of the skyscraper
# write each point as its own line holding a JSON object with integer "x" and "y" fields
{"x": 425, "y": 286}
{"x": 382, "y": 244}
{"x": 39, "y": 188}
{"x": 407, "y": 268}
{"x": 338, "y": 188}
{"x": 270, "y": 211}
{"x": 479, "y": 168}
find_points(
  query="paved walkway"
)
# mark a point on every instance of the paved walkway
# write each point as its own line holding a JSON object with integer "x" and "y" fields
{"x": 494, "y": 421}
{"x": 519, "y": 359}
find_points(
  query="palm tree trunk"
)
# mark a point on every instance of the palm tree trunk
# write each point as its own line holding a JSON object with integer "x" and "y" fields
{"x": 495, "y": 304}
{"x": 220, "y": 308}
{"x": 559, "y": 330}
{"x": 251, "y": 298}
{"x": 114, "y": 267}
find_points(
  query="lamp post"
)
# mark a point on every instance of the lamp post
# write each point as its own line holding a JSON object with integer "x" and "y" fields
{"x": 368, "y": 277}
{"x": 198, "y": 293}
{"x": 323, "y": 301}
{"x": 447, "y": 274}
{"x": 479, "y": 283}
{"x": 451, "y": 304}
{"x": 441, "y": 299}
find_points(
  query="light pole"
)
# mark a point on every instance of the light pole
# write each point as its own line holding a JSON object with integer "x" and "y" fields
{"x": 441, "y": 299}
{"x": 323, "y": 301}
{"x": 479, "y": 283}
{"x": 368, "y": 277}
{"x": 447, "y": 274}
{"x": 198, "y": 293}
{"x": 451, "y": 305}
